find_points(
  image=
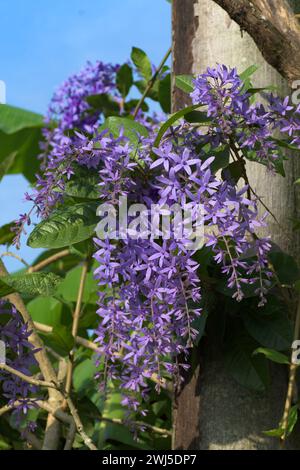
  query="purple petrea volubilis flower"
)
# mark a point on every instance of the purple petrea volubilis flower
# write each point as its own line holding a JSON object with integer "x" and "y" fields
{"x": 152, "y": 297}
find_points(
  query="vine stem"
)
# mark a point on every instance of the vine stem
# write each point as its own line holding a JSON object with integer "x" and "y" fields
{"x": 292, "y": 381}
{"x": 27, "y": 378}
{"x": 47, "y": 261}
{"x": 75, "y": 324}
{"x": 14, "y": 255}
{"x": 151, "y": 82}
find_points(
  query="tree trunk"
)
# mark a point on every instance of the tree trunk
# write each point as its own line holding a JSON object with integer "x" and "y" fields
{"x": 212, "y": 411}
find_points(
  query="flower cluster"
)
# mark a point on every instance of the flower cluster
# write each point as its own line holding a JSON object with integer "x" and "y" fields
{"x": 152, "y": 289}
{"x": 68, "y": 110}
{"x": 19, "y": 355}
{"x": 149, "y": 287}
{"x": 69, "y": 106}
{"x": 237, "y": 120}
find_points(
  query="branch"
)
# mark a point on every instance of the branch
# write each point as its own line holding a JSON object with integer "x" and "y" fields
{"x": 13, "y": 255}
{"x": 86, "y": 439}
{"x": 27, "y": 378}
{"x": 67, "y": 419}
{"x": 10, "y": 407}
{"x": 274, "y": 28}
{"x": 154, "y": 429}
{"x": 45, "y": 262}
{"x": 78, "y": 339}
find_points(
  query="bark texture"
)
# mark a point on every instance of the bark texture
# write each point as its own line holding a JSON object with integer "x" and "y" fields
{"x": 229, "y": 416}
{"x": 274, "y": 28}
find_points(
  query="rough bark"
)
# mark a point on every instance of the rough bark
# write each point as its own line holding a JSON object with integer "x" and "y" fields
{"x": 229, "y": 416}
{"x": 274, "y": 28}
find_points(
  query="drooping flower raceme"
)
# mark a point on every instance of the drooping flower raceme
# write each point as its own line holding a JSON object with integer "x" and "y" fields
{"x": 152, "y": 290}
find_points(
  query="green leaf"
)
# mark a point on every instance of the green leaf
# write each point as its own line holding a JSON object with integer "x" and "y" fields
{"x": 173, "y": 118}
{"x": 184, "y": 82}
{"x": 6, "y": 164}
{"x": 6, "y": 233}
{"x": 131, "y": 129}
{"x": 25, "y": 143}
{"x": 83, "y": 376}
{"x": 273, "y": 355}
{"x": 62, "y": 337}
{"x": 234, "y": 171}
{"x": 222, "y": 158}
{"x": 292, "y": 420}
{"x": 272, "y": 331}
{"x": 278, "y": 432}
{"x": 104, "y": 103}
{"x": 13, "y": 119}
{"x": 30, "y": 284}
{"x": 124, "y": 79}
{"x": 47, "y": 310}
{"x": 68, "y": 289}
{"x": 84, "y": 184}
{"x": 250, "y": 371}
{"x": 152, "y": 92}
{"x": 248, "y": 72}
{"x": 164, "y": 93}
{"x": 142, "y": 62}
{"x": 285, "y": 266}
{"x": 245, "y": 77}
{"x": 285, "y": 144}
{"x": 197, "y": 117}
{"x": 66, "y": 226}
{"x": 83, "y": 249}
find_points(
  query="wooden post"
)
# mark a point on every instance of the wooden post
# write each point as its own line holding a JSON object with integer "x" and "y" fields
{"x": 213, "y": 411}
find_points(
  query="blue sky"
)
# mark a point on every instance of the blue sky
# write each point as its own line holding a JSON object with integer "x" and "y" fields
{"x": 43, "y": 42}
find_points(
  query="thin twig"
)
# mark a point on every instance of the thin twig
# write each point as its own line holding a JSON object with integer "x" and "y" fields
{"x": 75, "y": 324}
{"x": 45, "y": 262}
{"x": 7, "y": 408}
{"x": 27, "y": 378}
{"x": 65, "y": 418}
{"x": 13, "y": 255}
{"x": 292, "y": 381}
{"x": 86, "y": 439}
{"x": 151, "y": 82}
{"x": 154, "y": 429}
